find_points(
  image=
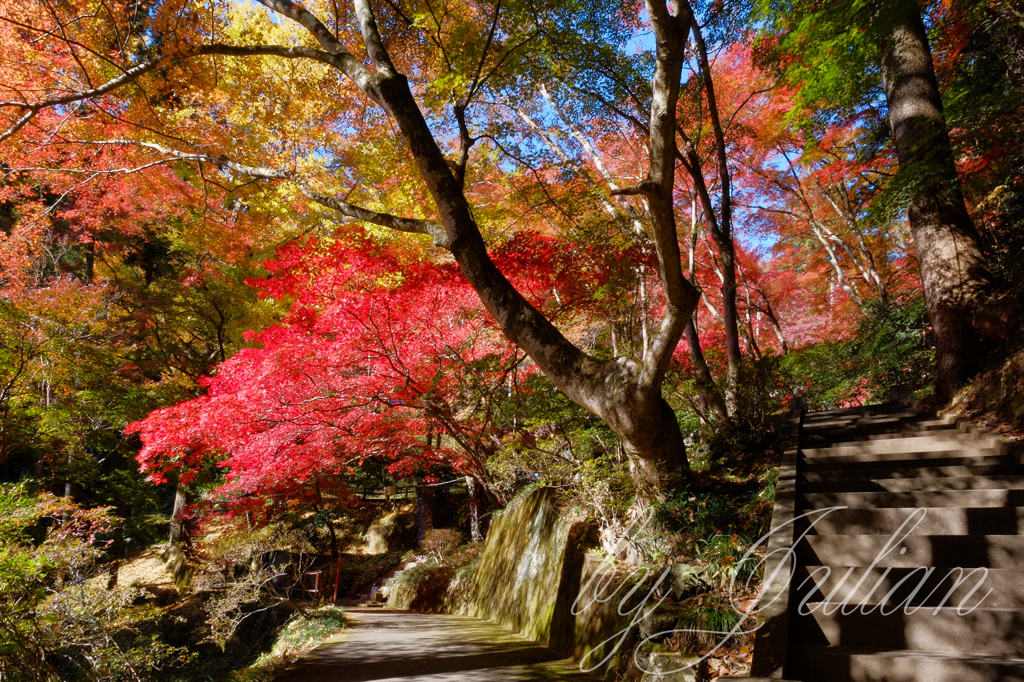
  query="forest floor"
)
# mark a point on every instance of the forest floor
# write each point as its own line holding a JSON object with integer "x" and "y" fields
{"x": 398, "y": 646}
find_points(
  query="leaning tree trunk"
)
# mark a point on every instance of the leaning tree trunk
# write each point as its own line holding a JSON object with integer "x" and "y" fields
{"x": 654, "y": 452}
{"x": 954, "y": 272}
{"x": 625, "y": 394}
{"x": 705, "y": 382}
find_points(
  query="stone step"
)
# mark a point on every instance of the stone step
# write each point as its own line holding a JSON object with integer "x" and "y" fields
{"x": 940, "y": 551}
{"x": 858, "y": 428}
{"x": 931, "y": 587}
{"x": 935, "y": 439}
{"x": 845, "y": 455}
{"x": 854, "y": 414}
{"x": 934, "y": 442}
{"x": 1003, "y": 467}
{"x": 925, "y": 462}
{"x": 856, "y": 664}
{"x": 915, "y": 498}
{"x": 934, "y": 521}
{"x": 900, "y": 485}
{"x": 855, "y": 435}
{"x": 990, "y": 632}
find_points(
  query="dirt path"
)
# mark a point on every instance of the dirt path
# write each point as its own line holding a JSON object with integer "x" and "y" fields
{"x": 398, "y": 646}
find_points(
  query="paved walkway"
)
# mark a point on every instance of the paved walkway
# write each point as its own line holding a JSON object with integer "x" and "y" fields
{"x": 399, "y": 646}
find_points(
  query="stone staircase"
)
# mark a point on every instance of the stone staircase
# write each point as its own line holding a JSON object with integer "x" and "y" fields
{"x": 913, "y": 493}
{"x": 378, "y": 593}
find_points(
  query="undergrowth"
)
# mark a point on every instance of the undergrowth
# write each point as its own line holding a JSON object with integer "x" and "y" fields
{"x": 438, "y": 584}
{"x": 299, "y": 636}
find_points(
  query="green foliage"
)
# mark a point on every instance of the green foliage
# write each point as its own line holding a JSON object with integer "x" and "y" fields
{"x": 891, "y": 348}
{"x": 722, "y": 557}
{"x": 707, "y": 621}
{"x": 699, "y": 515}
{"x": 759, "y": 406}
{"x": 829, "y": 52}
{"x": 558, "y": 444}
{"x": 59, "y": 620}
{"x": 437, "y": 586}
{"x": 1006, "y": 231}
{"x": 823, "y": 373}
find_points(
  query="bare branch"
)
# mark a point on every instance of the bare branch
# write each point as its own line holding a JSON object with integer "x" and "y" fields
{"x": 483, "y": 55}
{"x": 19, "y": 124}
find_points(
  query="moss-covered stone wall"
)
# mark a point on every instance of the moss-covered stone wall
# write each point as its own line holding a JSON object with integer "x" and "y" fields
{"x": 520, "y": 567}
{"x": 532, "y": 569}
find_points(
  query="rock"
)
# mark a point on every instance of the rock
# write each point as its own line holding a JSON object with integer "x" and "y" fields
{"x": 393, "y": 531}
{"x": 657, "y": 618}
{"x": 686, "y": 581}
{"x": 663, "y": 667}
{"x": 613, "y": 543}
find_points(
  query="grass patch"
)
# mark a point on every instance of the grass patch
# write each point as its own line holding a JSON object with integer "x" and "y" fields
{"x": 299, "y": 636}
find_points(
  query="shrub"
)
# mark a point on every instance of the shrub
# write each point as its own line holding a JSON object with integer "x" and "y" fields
{"x": 707, "y": 621}
{"x": 298, "y": 636}
{"x": 58, "y": 619}
{"x": 434, "y": 588}
{"x": 246, "y": 572}
{"x": 439, "y": 541}
{"x": 722, "y": 557}
{"x": 699, "y": 515}
{"x": 891, "y": 348}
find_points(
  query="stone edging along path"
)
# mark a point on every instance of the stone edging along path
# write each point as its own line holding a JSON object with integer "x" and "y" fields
{"x": 393, "y": 646}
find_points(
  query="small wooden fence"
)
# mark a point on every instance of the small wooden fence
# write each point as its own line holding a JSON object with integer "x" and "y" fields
{"x": 399, "y": 492}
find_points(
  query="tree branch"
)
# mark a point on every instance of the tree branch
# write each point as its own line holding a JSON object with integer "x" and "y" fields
{"x": 342, "y": 62}
{"x": 410, "y": 225}
{"x": 371, "y": 37}
{"x": 348, "y": 64}
{"x": 397, "y": 223}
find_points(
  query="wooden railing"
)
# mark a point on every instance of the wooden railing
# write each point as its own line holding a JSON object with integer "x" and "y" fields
{"x": 396, "y": 492}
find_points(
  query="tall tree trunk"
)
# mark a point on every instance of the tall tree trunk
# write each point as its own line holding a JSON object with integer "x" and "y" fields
{"x": 720, "y": 228}
{"x": 733, "y": 354}
{"x": 475, "y": 532}
{"x": 424, "y": 511}
{"x": 954, "y": 272}
{"x": 624, "y": 393}
{"x": 709, "y": 394}
{"x": 653, "y": 448}
{"x": 179, "y": 530}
